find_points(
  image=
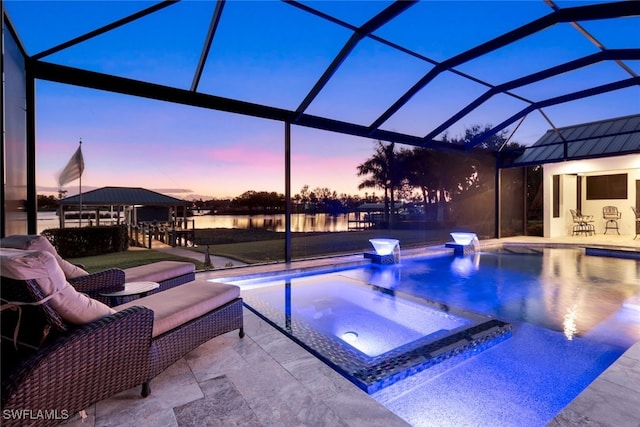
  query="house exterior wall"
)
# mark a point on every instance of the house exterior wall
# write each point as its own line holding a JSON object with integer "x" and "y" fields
{"x": 568, "y": 171}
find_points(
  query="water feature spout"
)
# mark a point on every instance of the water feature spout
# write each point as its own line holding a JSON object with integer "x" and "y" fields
{"x": 464, "y": 242}
{"x": 384, "y": 246}
{"x": 387, "y": 250}
{"x": 464, "y": 239}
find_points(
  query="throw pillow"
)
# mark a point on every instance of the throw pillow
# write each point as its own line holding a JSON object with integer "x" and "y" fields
{"x": 41, "y": 243}
{"x": 72, "y": 306}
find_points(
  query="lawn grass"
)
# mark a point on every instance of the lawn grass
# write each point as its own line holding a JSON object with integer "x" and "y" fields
{"x": 304, "y": 245}
{"x": 263, "y": 246}
{"x": 131, "y": 258}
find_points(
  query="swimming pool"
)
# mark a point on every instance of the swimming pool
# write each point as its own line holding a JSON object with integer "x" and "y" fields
{"x": 371, "y": 334}
{"x": 569, "y": 323}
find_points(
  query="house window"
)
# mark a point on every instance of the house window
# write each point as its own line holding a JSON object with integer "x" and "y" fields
{"x": 603, "y": 187}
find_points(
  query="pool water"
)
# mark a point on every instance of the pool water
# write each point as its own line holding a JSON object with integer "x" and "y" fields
{"x": 370, "y": 334}
{"x": 372, "y": 324}
{"x": 569, "y": 316}
{"x": 558, "y": 289}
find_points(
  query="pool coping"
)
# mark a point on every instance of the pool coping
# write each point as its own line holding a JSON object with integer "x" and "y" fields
{"x": 612, "y": 252}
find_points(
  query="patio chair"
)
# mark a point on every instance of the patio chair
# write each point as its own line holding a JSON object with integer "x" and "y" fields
{"x": 636, "y": 212}
{"x": 611, "y": 214}
{"x": 582, "y": 224}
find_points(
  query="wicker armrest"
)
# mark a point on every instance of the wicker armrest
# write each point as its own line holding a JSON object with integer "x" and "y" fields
{"x": 84, "y": 365}
{"x": 111, "y": 280}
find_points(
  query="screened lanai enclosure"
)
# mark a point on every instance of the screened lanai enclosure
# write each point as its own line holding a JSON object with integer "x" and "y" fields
{"x": 313, "y": 126}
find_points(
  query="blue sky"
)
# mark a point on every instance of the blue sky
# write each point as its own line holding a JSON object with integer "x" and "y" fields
{"x": 269, "y": 52}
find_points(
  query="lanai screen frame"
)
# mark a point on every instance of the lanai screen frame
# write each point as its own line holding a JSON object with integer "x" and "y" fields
{"x": 38, "y": 68}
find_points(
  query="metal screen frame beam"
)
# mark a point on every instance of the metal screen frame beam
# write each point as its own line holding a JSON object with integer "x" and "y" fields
{"x": 597, "y": 90}
{"x": 288, "y": 208}
{"x": 105, "y": 28}
{"x": 592, "y": 39}
{"x": 367, "y": 28}
{"x": 94, "y": 80}
{"x": 215, "y": 20}
{"x": 614, "y": 54}
{"x": 395, "y": 46}
{"x": 578, "y": 13}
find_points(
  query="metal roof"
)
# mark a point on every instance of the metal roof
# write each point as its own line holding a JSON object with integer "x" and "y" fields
{"x": 548, "y": 41}
{"x": 115, "y": 196}
{"x": 603, "y": 138}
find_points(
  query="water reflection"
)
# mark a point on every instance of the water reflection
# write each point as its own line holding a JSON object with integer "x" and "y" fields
{"x": 299, "y": 222}
{"x": 385, "y": 276}
{"x": 559, "y": 289}
{"x": 571, "y": 280}
{"x": 569, "y": 324}
{"x": 465, "y": 266}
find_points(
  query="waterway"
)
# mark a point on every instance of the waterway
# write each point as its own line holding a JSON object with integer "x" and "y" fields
{"x": 299, "y": 222}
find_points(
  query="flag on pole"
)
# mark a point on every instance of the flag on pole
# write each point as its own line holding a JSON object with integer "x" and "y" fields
{"x": 74, "y": 168}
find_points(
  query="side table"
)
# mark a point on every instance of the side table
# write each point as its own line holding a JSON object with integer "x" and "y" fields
{"x": 137, "y": 289}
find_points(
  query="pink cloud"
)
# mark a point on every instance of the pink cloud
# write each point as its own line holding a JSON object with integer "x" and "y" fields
{"x": 246, "y": 156}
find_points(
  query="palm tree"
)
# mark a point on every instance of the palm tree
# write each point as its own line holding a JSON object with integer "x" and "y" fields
{"x": 437, "y": 174}
{"x": 384, "y": 171}
{"x": 420, "y": 167}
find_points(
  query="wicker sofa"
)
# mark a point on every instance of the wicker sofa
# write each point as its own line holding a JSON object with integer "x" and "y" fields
{"x": 57, "y": 360}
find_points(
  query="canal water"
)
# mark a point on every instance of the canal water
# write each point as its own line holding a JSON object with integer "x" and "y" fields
{"x": 299, "y": 222}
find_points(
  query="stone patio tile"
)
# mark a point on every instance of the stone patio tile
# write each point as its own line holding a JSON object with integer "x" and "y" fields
{"x": 222, "y": 405}
{"x": 356, "y": 408}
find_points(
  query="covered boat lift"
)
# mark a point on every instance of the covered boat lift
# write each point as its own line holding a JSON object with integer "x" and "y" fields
{"x": 146, "y": 212}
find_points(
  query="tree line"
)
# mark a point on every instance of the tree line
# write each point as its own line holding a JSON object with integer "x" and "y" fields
{"x": 423, "y": 177}
{"x": 434, "y": 177}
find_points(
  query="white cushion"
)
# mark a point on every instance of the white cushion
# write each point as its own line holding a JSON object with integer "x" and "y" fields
{"x": 158, "y": 271}
{"x": 177, "y": 306}
{"x": 73, "y": 306}
{"x": 41, "y": 243}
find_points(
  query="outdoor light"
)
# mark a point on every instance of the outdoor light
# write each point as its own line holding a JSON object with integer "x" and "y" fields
{"x": 384, "y": 246}
{"x": 350, "y": 336}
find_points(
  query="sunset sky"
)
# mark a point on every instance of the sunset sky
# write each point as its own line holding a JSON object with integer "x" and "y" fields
{"x": 272, "y": 53}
